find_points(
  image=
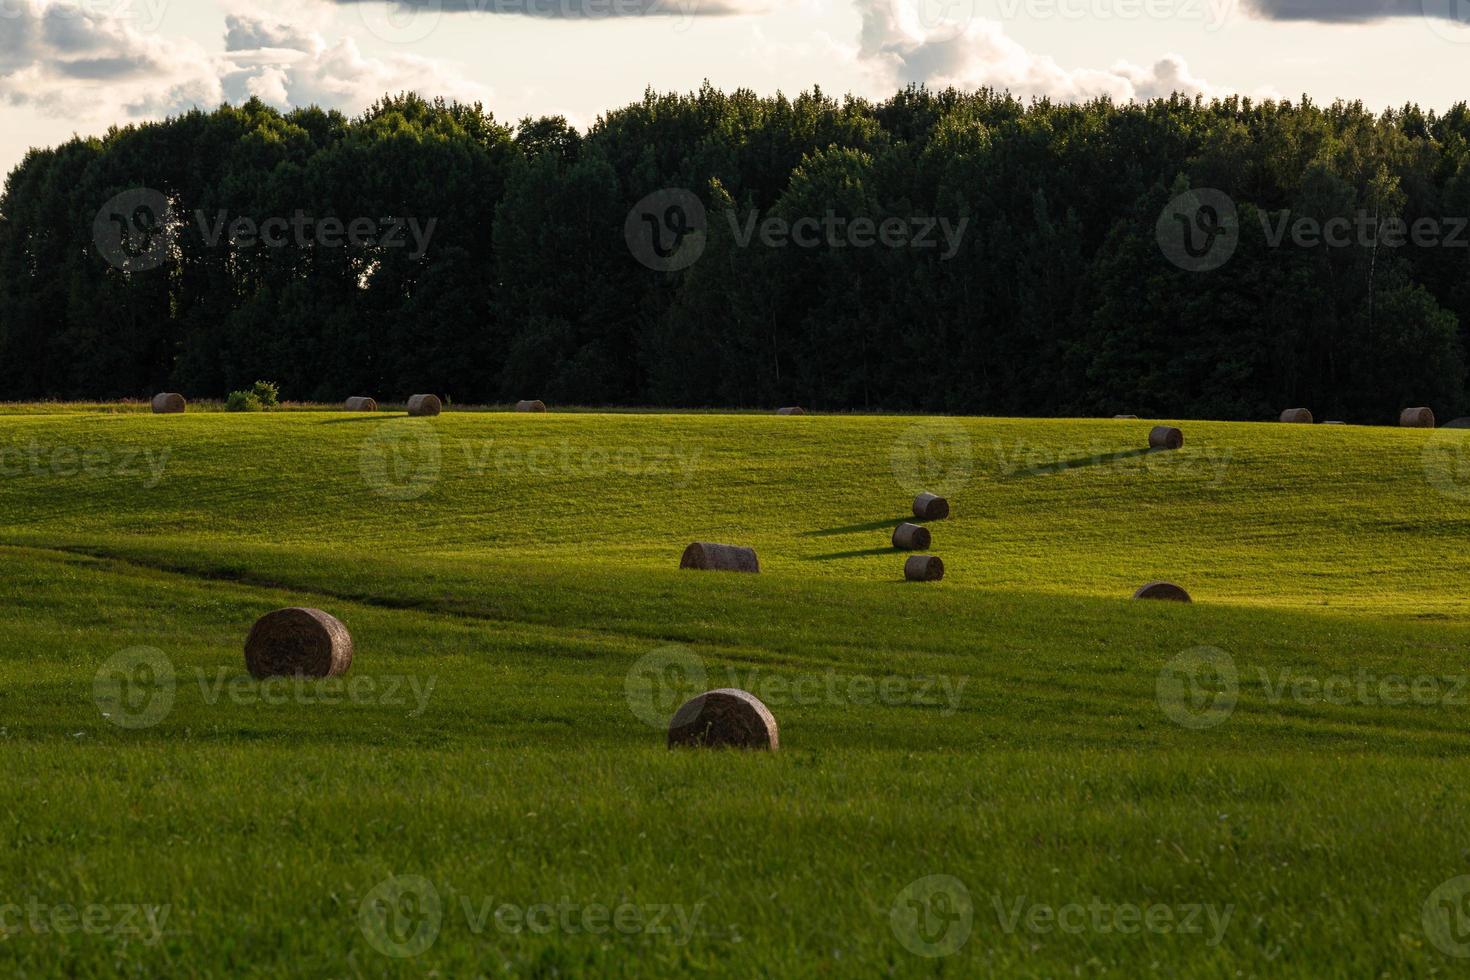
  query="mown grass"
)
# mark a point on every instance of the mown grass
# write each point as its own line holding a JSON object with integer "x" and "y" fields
{"x": 507, "y": 618}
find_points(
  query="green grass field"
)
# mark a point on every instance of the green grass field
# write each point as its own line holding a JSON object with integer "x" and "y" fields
{"x": 1266, "y": 782}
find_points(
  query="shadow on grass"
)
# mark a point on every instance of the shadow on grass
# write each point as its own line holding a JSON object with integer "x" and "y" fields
{"x": 1082, "y": 461}
{"x": 865, "y": 552}
{"x": 830, "y": 532}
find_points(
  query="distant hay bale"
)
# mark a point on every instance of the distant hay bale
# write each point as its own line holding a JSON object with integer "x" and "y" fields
{"x": 930, "y": 507}
{"x": 923, "y": 568}
{"x": 169, "y": 403}
{"x": 1119, "y": 418}
{"x": 707, "y": 557}
{"x": 1416, "y": 418}
{"x": 727, "y": 718}
{"x": 1460, "y": 423}
{"x": 425, "y": 405}
{"x": 530, "y": 406}
{"x": 793, "y": 410}
{"x": 1166, "y": 591}
{"x": 298, "y": 642}
{"x": 1165, "y": 437}
{"x": 361, "y": 405}
{"x": 1334, "y": 423}
{"x": 1297, "y": 415}
{"x": 911, "y": 537}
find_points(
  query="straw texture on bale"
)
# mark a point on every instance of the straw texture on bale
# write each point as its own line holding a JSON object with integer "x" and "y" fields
{"x": 1167, "y": 591}
{"x": 930, "y": 507}
{"x": 1165, "y": 437}
{"x": 793, "y": 410}
{"x": 169, "y": 403}
{"x": 298, "y": 642}
{"x": 923, "y": 568}
{"x": 425, "y": 405}
{"x": 1416, "y": 418}
{"x": 727, "y": 718}
{"x": 708, "y": 557}
{"x": 361, "y": 405}
{"x": 911, "y": 537}
{"x": 530, "y": 406}
{"x": 1298, "y": 415}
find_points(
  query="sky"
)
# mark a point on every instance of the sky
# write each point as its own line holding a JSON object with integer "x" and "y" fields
{"x": 79, "y": 66}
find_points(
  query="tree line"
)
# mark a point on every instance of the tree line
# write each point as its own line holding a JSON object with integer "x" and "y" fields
{"x": 940, "y": 251}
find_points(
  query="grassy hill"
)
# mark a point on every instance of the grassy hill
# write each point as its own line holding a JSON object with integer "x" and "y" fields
{"x": 1276, "y": 766}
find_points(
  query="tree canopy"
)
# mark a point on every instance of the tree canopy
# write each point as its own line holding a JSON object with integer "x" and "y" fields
{"x": 516, "y": 277}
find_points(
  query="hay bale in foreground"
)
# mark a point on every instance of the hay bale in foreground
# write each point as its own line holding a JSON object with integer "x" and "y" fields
{"x": 923, "y": 568}
{"x": 298, "y": 642}
{"x": 706, "y": 557}
{"x": 726, "y": 718}
{"x": 1416, "y": 418}
{"x": 911, "y": 537}
{"x": 169, "y": 403}
{"x": 1300, "y": 416}
{"x": 930, "y": 507}
{"x": 361, "y": 405}
{"x": 793, "y": 410}
{"x": 1165, "y": 437}
{"x": 1166, "y": 591}
{"x": 530, "y": 406}
{"x": 425, "y": 405}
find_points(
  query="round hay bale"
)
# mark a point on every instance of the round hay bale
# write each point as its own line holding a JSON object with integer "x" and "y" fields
{"x": 793, "y": 410}
{"x": 169, "y": 403}
{"x": 1297, "y": 415}
{"x": 1119, "y": 418}
{"x": 930, "y": 507}
{"x": 1165, "y": 437}
{"x": 923, "y": 568}
{"x": 425, "y": 405}
{"x": 1416, "y": 418}
{"x": 707, "y": 557}
{"x": 1334, "y": 423}
{"x": 1460, "y": 423}
{"x": 1166, "y": 591}
{"x": 298, "y": 642}
{"x": 361, "y": 405}
{"x": 911, "y": 537}
{"x": 727, "y": 718}
{"x": 531, "y": 406}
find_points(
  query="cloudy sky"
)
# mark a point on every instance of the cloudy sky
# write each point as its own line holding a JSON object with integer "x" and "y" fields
{"x": 78, "y": 66}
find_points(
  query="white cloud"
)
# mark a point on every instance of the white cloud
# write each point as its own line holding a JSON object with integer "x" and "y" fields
{"x": 896, "y": 49}
{"x": 72, "y": 59}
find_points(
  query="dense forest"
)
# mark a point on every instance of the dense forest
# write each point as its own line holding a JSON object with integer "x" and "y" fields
{"x": 1059, "y": 298}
